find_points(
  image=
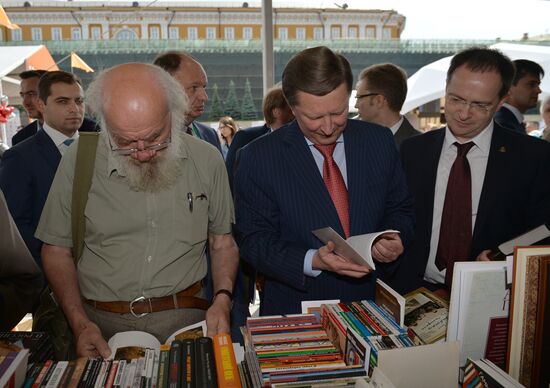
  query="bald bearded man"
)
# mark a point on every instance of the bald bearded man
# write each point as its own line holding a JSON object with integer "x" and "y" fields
{"x": 157, "y": 196}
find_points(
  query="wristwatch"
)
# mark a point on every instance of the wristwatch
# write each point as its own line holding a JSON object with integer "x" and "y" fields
{"x": 226, "y": 292}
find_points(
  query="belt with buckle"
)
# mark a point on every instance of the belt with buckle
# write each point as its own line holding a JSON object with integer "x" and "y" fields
{"x": 142, "y": 306}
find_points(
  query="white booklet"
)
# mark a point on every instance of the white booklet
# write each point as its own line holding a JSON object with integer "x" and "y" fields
{"x": 129, "y": 341}
{"x": 356, "y": 248}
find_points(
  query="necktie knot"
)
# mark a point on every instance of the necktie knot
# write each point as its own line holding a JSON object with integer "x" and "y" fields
{"x": 326, "y": 150}
{"x": 463, "y": 149}
{"x": 68, "y": 142}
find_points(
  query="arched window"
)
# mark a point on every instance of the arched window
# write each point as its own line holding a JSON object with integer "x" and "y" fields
{"x": 125, "y": 34}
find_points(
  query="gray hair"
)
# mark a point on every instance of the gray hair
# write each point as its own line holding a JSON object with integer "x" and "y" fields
{"x": 178, "y": 103}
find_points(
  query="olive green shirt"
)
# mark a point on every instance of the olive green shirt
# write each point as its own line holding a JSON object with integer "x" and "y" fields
{"x": 141, "y": 243}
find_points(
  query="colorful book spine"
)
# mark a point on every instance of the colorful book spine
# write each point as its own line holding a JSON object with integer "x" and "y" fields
{"x": 176, "y": 365}
{"x": 226, "y": 364}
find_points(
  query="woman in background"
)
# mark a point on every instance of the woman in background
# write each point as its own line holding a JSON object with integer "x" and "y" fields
{"x": 227, "y": 129}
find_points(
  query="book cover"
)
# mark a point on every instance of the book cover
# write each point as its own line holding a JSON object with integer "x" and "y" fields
{"x": 14, "y": 373}
{"x": 524, "y": 317}
{"x": 205, "y": 364}
{"x": 390, "y": 300}
{"x": 478, "y": 312}
{"x": 426, "y": 315}
{"x": 176, "y": 365}
{"x": 226, "y": 363}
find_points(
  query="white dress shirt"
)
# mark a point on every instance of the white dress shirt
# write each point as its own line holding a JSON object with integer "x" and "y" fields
{"x": 477, "y": 158}
{"x": 339, "y": 156}
{"x": 58, "y": 138}
{"x": 395, "y": 127}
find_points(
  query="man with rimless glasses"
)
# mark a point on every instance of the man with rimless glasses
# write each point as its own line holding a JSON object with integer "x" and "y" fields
{"x": 157, "y": 197}
{"x": 475, "y": 183}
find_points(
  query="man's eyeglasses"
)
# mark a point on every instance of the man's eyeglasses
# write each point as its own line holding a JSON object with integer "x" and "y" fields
{"x": 358, "y": 96}
{"x": 130, "y": 151}
{"x": 479, "y": 107}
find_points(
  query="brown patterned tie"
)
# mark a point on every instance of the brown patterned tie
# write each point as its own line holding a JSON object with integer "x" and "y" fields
{"x": 335, "y": 185}
{"x": 455, "y": 233}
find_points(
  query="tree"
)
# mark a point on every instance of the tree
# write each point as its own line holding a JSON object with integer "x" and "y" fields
{"x": 232, "y": 103}
{"x": 216, "y": 109}
{"x": 248, "y": 110}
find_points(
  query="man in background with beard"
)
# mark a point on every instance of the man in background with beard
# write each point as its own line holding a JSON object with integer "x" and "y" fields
{"x": 157, "y": 196}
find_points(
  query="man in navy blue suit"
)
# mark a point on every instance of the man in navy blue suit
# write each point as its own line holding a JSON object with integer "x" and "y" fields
{"x": 29, "y": 95}
{"x": 284, "y": 189}
{"x": 276, "y": 114}
{"x": 192, "y": 78}
{"x": 27, "y": 169}
{"x": 509, "y": 187}
{"x": 522, "y": 96}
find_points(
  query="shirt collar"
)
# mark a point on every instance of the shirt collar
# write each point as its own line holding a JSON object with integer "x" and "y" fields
{"x": 482, "y": 141}
{"x": 515, "y": 111}
{"x": 339, "y": 140}
{"x": 57, "y": 137}
{"x": 396, "y": 126}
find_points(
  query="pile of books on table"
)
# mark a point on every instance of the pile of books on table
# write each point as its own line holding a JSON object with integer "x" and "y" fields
{"x": 294, "y": 348}
{"x": 20, "y": 350}
{"x": 186, "y": 362}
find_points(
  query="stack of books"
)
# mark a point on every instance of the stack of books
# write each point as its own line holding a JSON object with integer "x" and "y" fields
{"x": 38, "y": 343}
{"x": 190, "y": 362}
{"x": 287, "y": 349}
{"x": 361, "y": 330}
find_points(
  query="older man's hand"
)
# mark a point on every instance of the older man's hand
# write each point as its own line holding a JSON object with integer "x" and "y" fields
{"x": 90, "y": 342}
{"x": 217, "y": 316}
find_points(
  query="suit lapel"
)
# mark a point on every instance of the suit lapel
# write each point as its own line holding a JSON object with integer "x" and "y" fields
{"x": 427, "y": 177}
{"x": 496, "y": 168}
{"x": 300, "y": 162}
{"x": 47, "y": 149}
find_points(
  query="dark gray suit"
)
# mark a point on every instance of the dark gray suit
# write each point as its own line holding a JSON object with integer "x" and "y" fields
{"x": 507, "y": 119}
{"x": 26, "y": 174}
{"x": 405, "y": 131}
{"x": 515, "y": 196}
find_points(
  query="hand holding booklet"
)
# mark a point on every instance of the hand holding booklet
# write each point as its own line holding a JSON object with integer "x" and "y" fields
{"x": 357, "y": 249}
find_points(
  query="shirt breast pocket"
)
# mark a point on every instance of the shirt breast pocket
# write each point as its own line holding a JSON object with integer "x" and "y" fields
{"x": 191, "y": 218}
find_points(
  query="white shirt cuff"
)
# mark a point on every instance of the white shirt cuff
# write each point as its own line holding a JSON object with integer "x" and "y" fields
{"x": 308, "y": 260}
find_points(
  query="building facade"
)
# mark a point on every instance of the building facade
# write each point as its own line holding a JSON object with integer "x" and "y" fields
{"x": 112, "y": 20}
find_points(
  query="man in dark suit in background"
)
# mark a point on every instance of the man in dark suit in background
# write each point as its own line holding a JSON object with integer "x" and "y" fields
{"x": 276, "y": 114}
{"x": 381, "y": 92}
{"x": 29, "y": 94}
{"x": 27, "y": 170}
{"x": 321, "y": 170}
{"x": 523, "y": 95}
{"x": 475, "y": 183}
{"x": 191, "y": 76}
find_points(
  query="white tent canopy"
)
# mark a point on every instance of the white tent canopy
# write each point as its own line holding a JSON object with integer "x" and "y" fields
{"x": 16, "y": 59}
{"x": 428, "y": 83}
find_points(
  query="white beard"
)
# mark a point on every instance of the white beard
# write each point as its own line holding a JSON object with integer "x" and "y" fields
{"x": 157, "y": 174}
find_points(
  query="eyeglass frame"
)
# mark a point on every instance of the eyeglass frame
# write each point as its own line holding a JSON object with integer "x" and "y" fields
{"x": 481, "y": 107}
{"x": 357, "y": 97}
{"x": 130, "y": 151}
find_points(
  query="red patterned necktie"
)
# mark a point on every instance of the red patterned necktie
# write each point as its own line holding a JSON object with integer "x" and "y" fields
{"x": 335, "y": 185}
{"x": 455, "y": 233}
